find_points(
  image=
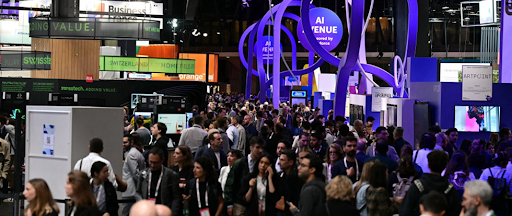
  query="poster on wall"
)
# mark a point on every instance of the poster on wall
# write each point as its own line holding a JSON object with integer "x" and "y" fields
{"x": 378, "y": 93}
{"x": 477, "y": 83}
{"x": 48, "y": 139}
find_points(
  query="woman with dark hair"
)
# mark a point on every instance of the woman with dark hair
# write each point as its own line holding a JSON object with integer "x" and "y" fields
{"x": 406, "y": 171}
{"x": 39, "y": 196}
{"x": 427, "y": 144}
{"x": 457, "y": 172}
{"x": 103, "y": 190}
{"x": 205, "y": 193}
{"x": 233, "y": 156}
{"x": 378, "y": 202}
{"x": 334, "y": 154}
{"x": 296, "y": 124}
{"x": 184, "y": 165}
{"x": 258, "y": 191}
{"x": 83, "y": 202}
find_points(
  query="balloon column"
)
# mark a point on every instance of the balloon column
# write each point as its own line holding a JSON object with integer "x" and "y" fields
{"x": 321, "y": 33}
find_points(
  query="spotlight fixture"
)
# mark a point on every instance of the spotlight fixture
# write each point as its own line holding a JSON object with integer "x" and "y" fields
{"x": 205, "y": 34}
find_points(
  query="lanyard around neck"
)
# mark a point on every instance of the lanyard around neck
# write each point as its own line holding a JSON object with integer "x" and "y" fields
{"x": 198, "y": 195}
{"x": 357, "y": 167}
{"x": 157, "y": 183}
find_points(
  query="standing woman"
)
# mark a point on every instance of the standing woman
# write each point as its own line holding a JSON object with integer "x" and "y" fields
{"x": 233, "y": 156}
{"x": 103, "y": 190}
{"x": 82, "y": 202}
{"x": 378, "y": 202}
{"x": 296, "y": 124}
{"x": 334, "y": 154}
{"x": 360, "y": 188}
{"x": 184, "y": 165}
{"x": 205, "y": 193}
{"x": 258, "y": 191}
{"x": 39, "y": 196}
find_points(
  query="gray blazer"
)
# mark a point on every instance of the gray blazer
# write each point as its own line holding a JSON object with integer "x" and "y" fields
{"x": 132, "y": 167}
{"x": 170, "y": 190}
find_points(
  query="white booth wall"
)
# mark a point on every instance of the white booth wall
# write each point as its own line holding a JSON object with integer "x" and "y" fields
{"x": 405, "y": 117}
{"x": 74, "y": 128}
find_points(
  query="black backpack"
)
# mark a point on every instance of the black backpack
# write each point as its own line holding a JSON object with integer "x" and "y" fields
{"x": 498, "y": 184}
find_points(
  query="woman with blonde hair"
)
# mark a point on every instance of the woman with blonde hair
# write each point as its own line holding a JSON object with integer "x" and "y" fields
{"x": 83, "y": 202}
{"x": 361, "y": 186}
{"x": 339, "y": 195}
{"x": 40, "y": 197}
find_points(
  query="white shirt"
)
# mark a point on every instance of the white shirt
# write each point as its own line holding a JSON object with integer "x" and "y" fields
{"x": 496, "y": 174}
{"x": 224, "y": 172}
{"x": 278, "y": 167}
{"x": 217, "y": 155}
{"x": 422, "y": 160}
{"x": 87, "y": 164}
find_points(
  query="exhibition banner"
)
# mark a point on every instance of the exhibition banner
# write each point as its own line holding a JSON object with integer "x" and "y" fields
{"x": 11, "y": 32}
{"x": 148, "y": 65}
{"x": 477, "y": 83}
{"x": 16, "y": 60}
{"x": 326, "y": 26}
{"x": 127, "y": 7}
{"x": 93, "y": 28}
{"x": 378, "y": 93}
{"x": 265, "y": 45}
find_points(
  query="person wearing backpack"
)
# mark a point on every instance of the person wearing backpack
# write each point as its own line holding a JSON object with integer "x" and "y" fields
{"x": 360, "y": 188}
{"x": 432, "y": 181}
{"x": 377, "y": 196}
{"x": 499, "y": 181}
{"x": 401, "y": 179}
{"x": 457, "y": 171}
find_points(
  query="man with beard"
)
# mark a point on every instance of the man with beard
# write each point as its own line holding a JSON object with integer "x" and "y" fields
{"x": 290, "y": 182}
{"x": 127, "y": 144}
{"x": 349, "y": 166}
{"x": 313, "y": 192}
{"x": 477, "y": 199}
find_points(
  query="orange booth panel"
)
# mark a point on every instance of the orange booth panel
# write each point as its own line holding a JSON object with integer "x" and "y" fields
{"x": 201, "y": 63}
{"x": 159, "y": 51}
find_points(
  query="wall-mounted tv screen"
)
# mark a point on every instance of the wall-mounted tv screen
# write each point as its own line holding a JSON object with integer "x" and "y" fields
{"x": 392, "y": 115}
{"x": 477, "y": 118}
{"x": 175, "y": 123}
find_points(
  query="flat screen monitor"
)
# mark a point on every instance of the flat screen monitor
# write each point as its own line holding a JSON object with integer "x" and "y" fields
{"x": 175, "y": 123}
{"x": 477, "y": 118}
{"x": 299, "y": 100}
{"x": 189, "y": 116}
{"x": 147, "y": 118}
{"x": 392, "y": 115}
{"x": 450, "y": 72}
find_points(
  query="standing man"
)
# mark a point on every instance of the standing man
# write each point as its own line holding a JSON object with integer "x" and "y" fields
{"x": 282, "y": 145}
{"x": 477, "y": 199}
{"x": 158, "y": 131}
{"x": 242, "y": 137}
{"x": 222, "y": 123}
{"x": 159, "y": 184}
{"x": 398, "y": 135}
{"x": 316, "y": 145}
{"x": 313, "y": 192}
{"x": 193, "y": 137}
{"x": 291, "y": 184}
{"x": 215, "y": 152}
{"x": 132, "y": 167}
{"x": 243, "y": 166}
{"x": 288, "y": 117}
{"x": 349, "y": 166}
{"x": 505, "y": 135}
{"x": 85, "y": 164}
{"x": 382, "y": 133}
{"x": 233, "y": 135}
{"x": 358, "y": 129}
{"x": 145, "y": 134}
{"x": 453, "y": 136}
{"x": 382, "y": 147}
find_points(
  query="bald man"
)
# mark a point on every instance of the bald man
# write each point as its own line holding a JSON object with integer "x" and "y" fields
{"x": 143, "y": 208}
{"x": 162, "y": 210}
{"x": 358, "y": 128}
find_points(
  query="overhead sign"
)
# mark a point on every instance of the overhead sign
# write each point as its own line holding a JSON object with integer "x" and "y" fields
{"x": 150, "y": 65}
{"x": 265, "y": 46}
{"x": 477, "y": 83}
{"x": 92, "y": 28}
{"x": 452, "y": 72}
{"x": 128, "y": 7}
{"x": 25, "y": 60}
{"x": 378, "y": 93}
{"x": 326, "y": 26}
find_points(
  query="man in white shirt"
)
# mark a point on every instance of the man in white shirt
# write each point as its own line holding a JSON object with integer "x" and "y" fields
{"x": 193, "y": 137}
{"x": 85, "y": 164}
{"x": 427, "y": 144}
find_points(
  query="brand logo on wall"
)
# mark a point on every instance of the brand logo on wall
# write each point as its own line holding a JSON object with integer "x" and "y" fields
{"x": 326, "y": 26}
{"x": 27, "y": 61}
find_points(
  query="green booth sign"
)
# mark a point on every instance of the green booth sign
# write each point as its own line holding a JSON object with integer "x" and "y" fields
{"x": 148, "y": 65}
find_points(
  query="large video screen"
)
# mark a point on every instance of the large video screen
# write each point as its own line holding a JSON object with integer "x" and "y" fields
{"x": 477, "y": 118}
{"x": 175, "y": 122}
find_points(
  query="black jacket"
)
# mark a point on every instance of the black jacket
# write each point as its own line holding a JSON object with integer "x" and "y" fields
{"x": 211, "y": 154}
{"x": 312, "y": 194}
{"x": 252, "y": 207}
{"x": 290, "y": 187}
{"x": 110, "y": 198}
{"x": 162, "y": 144}
{"x": 431, "y": 182}
{"x": 169, "y": 189}
{"x": 338, "y": 208}
{"x": 81, "y": 211}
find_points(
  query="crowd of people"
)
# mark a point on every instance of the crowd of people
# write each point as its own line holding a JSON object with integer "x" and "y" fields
{"x": 242, "y": 157}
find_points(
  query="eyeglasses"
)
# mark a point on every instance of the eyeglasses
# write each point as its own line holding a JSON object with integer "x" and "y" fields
{"x": 333, "y": 152}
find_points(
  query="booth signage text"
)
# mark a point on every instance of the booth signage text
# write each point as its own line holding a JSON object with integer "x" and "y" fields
{"x": 326, "y": 26}
{"x": 150, "y": 65}
{"x": 477, "y": 83}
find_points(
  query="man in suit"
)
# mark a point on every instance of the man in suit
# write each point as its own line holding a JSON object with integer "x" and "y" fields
{"x": 215, "y": 152}
{"x": 158, "y": 131}
{"x": 163, "y": 183}
{"x": 133, "y": 165}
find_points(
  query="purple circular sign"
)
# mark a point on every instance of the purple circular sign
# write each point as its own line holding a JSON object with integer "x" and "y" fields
{"x": 326, "y": 26}
{"x": 265, "y": 45}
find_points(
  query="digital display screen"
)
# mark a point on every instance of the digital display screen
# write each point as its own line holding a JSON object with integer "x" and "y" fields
{"x": 175, "y": 123}
{"x": 477, "y": 118}
{"x": 189, "y": 116}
